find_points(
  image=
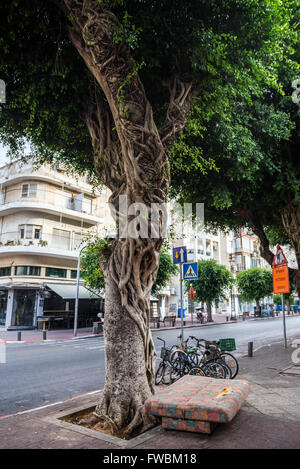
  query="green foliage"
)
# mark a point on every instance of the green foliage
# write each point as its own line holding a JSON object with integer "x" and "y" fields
{"x": 90, "y": 267}
{"x": 93, "y": 275}
{"x": 287, "y": 299}
{"x": 213, "y": 281}
{"x": 252, "y": 140}
{"x": 230, "y": 48}
{"x": 255, "y": 283}
{"x": 165, "y": 270}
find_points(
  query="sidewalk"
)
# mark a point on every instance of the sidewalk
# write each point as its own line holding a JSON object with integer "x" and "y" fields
{"x": 36, "y": 335}
{"x": 270, "y": 419}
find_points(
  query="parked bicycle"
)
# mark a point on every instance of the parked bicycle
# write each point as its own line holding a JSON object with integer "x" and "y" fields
{"x": 169, "y": 371}
{"x": 219, "y": 351}
{"x": 187, "y": 357}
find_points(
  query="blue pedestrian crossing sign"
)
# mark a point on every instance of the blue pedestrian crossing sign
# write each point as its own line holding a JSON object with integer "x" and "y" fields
{"x": 190, "y": 271}
{"x": 179, "y": 255}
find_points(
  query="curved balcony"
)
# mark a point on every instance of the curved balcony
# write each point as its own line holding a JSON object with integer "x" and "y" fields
{"x": 49, "y": 244}
{"x": 53, "y": 202}
{"x": 22, "y": 172}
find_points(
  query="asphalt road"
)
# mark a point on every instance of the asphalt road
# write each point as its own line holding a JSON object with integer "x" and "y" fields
{"x": 35, "y": 375}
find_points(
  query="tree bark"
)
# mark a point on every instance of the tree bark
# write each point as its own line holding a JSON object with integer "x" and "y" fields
{"x": 131, "y": 158}
{"x": 127, "y": 385}
{"x": 209, "y": 314}
{"x": 258, "y": 307}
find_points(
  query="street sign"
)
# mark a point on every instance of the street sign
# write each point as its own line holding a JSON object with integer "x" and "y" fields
{"x": 190, "y": 271}
{"x": 179, "y": 255}
{"x": 279, "y": 258}
{"x": 281, "y": 279}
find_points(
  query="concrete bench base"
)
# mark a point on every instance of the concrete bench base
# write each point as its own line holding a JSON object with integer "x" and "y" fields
{"x": 197, "y": 403}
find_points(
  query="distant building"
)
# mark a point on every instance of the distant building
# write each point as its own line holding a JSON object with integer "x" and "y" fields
{"x": 45, "y": 216}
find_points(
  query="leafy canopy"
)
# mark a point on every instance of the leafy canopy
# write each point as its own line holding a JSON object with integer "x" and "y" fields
{"x": 230, "y": 48}
{"x": 213, "y": 281}
{"x": 93, "y": 275}
{"x": 255, "y": 283}
{"x": 252, "y": 146}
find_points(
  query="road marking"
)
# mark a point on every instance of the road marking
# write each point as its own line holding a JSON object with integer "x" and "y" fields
{"x": 48, "y": 405}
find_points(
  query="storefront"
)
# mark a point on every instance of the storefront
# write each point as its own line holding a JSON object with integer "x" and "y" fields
{"x": 18, "y": 307}
{"x": 22, "y": 306}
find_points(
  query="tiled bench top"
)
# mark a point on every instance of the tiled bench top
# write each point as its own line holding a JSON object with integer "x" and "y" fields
{"x": 199, "y": 398}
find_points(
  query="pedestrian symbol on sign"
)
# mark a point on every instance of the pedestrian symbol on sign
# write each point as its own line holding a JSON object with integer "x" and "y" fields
{"x": 190, "y": 271}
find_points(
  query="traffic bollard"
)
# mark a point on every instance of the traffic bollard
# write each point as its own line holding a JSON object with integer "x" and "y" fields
{"x": 250, "y": 349}
{"x": 227, "y": 318}
{"x": 44, "y": 335}
{"x": 19, "y": 336}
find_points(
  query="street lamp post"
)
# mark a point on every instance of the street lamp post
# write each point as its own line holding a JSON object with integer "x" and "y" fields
{"x": 77, "y": 292}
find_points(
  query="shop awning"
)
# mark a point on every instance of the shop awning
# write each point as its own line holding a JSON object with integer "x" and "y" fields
{"x": 68, "y": 292}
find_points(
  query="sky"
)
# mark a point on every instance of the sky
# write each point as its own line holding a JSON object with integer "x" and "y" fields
{"x": 3, "y": 158}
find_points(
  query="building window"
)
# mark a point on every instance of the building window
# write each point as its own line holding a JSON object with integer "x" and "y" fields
{"x": 30, "y": 231}
{"x": 37, "y": 233}
{"x": 56, "y": 273}
{"x": 5, "y": 271}
{"x": 78, "y": 240}
{"x": 74, "y": 274}
{"x": 29, "y": 190}
{"x": 61, "y": 239}
{"x": 27, "y": 270}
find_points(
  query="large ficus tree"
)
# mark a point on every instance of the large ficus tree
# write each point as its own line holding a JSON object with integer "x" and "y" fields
{"x": 106, "y": 87}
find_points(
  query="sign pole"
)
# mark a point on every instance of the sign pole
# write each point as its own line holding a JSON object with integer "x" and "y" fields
{"x": 284, "y": 326}
{"x": 181, "y": 302}
{"x": 281, "y": 281}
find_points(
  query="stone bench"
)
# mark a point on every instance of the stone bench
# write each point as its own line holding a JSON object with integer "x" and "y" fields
{"x": 197, "y": 404}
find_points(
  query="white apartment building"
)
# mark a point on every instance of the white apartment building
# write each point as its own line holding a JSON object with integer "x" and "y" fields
{"x": 45, "y": 215}
{"x": 203, "y": 245}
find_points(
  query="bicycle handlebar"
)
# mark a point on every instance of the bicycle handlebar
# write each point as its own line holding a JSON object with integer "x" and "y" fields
{"x": 162, "y": 340}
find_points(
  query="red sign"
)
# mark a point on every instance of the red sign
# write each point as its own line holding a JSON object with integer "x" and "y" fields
{"x": 279, "y": 258}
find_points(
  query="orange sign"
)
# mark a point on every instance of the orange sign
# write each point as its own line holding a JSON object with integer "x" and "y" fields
{"x": 281, "y": 279}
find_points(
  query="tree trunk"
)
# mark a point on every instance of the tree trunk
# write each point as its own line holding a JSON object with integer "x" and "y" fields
{"x": 131, "y": 159}
{"x": 127, "y": 385}
{"x": 209, "y": 314}
{"x": 258, "y": 307}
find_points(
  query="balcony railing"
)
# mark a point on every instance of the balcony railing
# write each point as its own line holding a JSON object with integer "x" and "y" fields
{"x": 69, "y": 242}
{"x": 57, "y": 199}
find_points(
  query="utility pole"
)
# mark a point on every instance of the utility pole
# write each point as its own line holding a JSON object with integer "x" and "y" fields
{"x": 77, "y": 292}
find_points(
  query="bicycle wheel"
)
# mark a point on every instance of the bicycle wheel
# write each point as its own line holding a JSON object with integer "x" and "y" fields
{"x": 159, "y": 373}
{"x": 194, "y": 358}
{"x": 170, "y": 374}
{"x": 196, "y": 371}
{"x": 181, "y": 366}
{"x": 177, "y": 353}
{"x": 214, "y": 369}
{"x": 232, "y": 362}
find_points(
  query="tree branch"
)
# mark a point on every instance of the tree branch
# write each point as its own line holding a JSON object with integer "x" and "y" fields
{"x": 181, "y": 98}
